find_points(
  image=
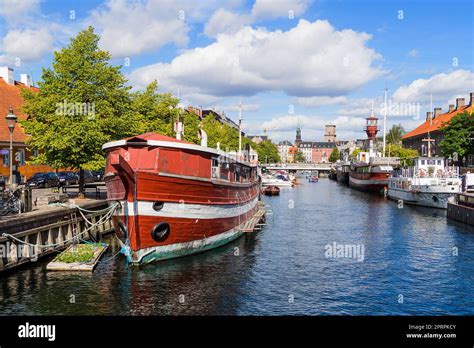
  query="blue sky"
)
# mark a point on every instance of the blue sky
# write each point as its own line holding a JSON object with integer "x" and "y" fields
{"x": 312, "y": 62}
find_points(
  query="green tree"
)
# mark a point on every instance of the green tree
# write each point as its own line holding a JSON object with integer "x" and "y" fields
{"x": 355, "y": 153}
{"x": 153, "y": 111}
{"x": 299, "y": 157}
{"x": 267, "y": 152}
{"x": 458, "y": 136}
{"x": 82, "y": 103}
{"x": 394, "y": 135}
{"x": 406, "y": 155}
{"x": 334, "y": 155}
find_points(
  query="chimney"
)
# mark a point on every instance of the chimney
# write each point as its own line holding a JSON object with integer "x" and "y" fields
{"x": 437, "y": 112}
{"x": 451, "y": 107}
{"x": 7, "y": 74}
{"x": 471, "y": 99}
{"x": 459, "y": 103}
{"x": 26, "y": 80}
{"x": 429, "y": 116}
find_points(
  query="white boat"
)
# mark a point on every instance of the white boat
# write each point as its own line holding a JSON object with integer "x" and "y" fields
{"x": 428, "y": 183}
{"x": 278, "y": 180}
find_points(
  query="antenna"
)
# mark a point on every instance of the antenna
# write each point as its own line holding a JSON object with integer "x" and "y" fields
{"x": 240, "y": 128}
{"x": 385, "y": 118}
{"x": 372, "y": 113}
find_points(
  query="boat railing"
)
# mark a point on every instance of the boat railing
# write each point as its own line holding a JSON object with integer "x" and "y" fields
{"x": 415, "y": 172}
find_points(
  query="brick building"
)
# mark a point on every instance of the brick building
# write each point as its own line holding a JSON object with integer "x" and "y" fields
{"x": 10, "y": 96}
{"x": 432, "y": 125}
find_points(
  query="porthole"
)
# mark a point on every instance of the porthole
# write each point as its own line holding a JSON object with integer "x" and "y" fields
{"x": 160, "y": 231}
{"x": 157, "y": 206}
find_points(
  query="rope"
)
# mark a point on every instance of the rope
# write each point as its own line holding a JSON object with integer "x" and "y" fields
{"x": 92, "y": 225}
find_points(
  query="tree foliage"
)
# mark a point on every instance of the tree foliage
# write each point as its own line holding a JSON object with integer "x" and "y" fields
{"x": 334, "y": 155}
{"x": 267, "y": 152}
{"x": 458, "y": 136}
{"x": 394, "y": 135}
{"x": 299, "y": 157}
{"x": 82, "y": 103}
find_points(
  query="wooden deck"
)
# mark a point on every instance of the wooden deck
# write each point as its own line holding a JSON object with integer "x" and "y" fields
{"x": 256, "y": 221}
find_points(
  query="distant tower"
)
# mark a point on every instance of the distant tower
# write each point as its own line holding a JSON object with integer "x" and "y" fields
{"x": 298, "y": 135}
{"x": 330, "y": 133}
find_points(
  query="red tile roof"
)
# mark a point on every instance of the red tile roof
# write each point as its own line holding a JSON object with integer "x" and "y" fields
{"x": 437, "y": 122}
{"x": 10, "y": 96}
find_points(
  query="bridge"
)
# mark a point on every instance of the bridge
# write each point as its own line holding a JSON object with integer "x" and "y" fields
{"x": 322, "y": 167}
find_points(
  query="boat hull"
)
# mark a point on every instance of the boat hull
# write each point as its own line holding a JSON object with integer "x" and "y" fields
{"x": 342, "y": 177}
{"x": 368, "y": 183}
{"x": 430, "y": 198}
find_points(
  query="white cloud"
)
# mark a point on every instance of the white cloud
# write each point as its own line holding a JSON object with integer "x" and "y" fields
{"x": 224, "y": 21}
{"x": 27, "y": 44}
{"x": 311, "y": 59}
{"x": 321, "y": 101}
{"x": 10, "y": 9}
{"x": 442, "y": 87}
{"x": 131, "y": 28}
{"x": 413, "y": 53}
{"x": 280, "y": 8}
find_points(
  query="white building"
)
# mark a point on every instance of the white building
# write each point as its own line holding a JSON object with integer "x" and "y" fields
{"x": 283, "y": 147}
{"x": 306, "y": 148}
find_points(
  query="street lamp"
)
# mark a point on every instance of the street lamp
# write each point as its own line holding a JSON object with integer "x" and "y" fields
{"x": 11, "y": 121}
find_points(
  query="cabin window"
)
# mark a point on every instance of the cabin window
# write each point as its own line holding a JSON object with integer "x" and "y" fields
{"x": 245, "y": 174}
{"x": 214, "y": 168}
{"x": 422, "y": 162}
{"x": 224, "y": 171}
{"x": 439, "y": 162}
{"x": 237, "y": 173}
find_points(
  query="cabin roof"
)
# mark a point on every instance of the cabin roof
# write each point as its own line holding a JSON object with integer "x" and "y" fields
{"x": 156, "y": 136}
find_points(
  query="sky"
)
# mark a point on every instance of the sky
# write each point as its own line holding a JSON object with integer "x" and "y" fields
{"x": 288, "y": 62}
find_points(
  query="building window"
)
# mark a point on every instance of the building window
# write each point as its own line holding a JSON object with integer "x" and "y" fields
{"x": 6, "y": 157}
{"x": 20, "y": 157}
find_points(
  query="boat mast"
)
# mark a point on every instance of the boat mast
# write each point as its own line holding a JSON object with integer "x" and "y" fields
{"x": 385, "y": 119}
{"x": 429, "y": 140}
{"x": 240, "y": 128}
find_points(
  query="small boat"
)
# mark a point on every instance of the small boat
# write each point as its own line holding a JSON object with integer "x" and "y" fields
{"x": 428, "y": 183}
{"x": 271, "y": 191}
{"x": 278, "y": 180}
{"x": 313, "y": 178}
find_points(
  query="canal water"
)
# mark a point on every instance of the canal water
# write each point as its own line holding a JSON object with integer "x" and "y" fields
{"x": 387, "y": 260}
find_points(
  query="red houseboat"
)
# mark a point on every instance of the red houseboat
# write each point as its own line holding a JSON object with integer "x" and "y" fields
{"x": 177, "y": 198}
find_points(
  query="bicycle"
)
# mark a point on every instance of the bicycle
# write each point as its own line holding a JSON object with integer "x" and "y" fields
{"x": 13, "y": 203}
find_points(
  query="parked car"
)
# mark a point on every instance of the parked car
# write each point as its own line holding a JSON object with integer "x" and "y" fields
{"x": 43, "y": 180}
{"x": 88, "y": 177}
{"x": 98, "y": 175}
{"x": 68, "y": 178}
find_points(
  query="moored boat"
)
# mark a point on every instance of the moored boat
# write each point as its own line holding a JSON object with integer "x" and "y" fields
{"x": 177, "y": 198}
{"x": 342, "y": 173}
{"x": 428, "y": 183}
{"x": 271, "y": 191}
{"x": 370, "y": 170}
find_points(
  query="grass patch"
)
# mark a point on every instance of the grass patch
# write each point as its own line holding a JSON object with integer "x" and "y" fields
{"x": 79, "y": 253}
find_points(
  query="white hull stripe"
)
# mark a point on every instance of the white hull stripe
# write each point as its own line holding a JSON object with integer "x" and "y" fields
{"x": 367, "y": 182}
{"x": 187, "y": 211}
